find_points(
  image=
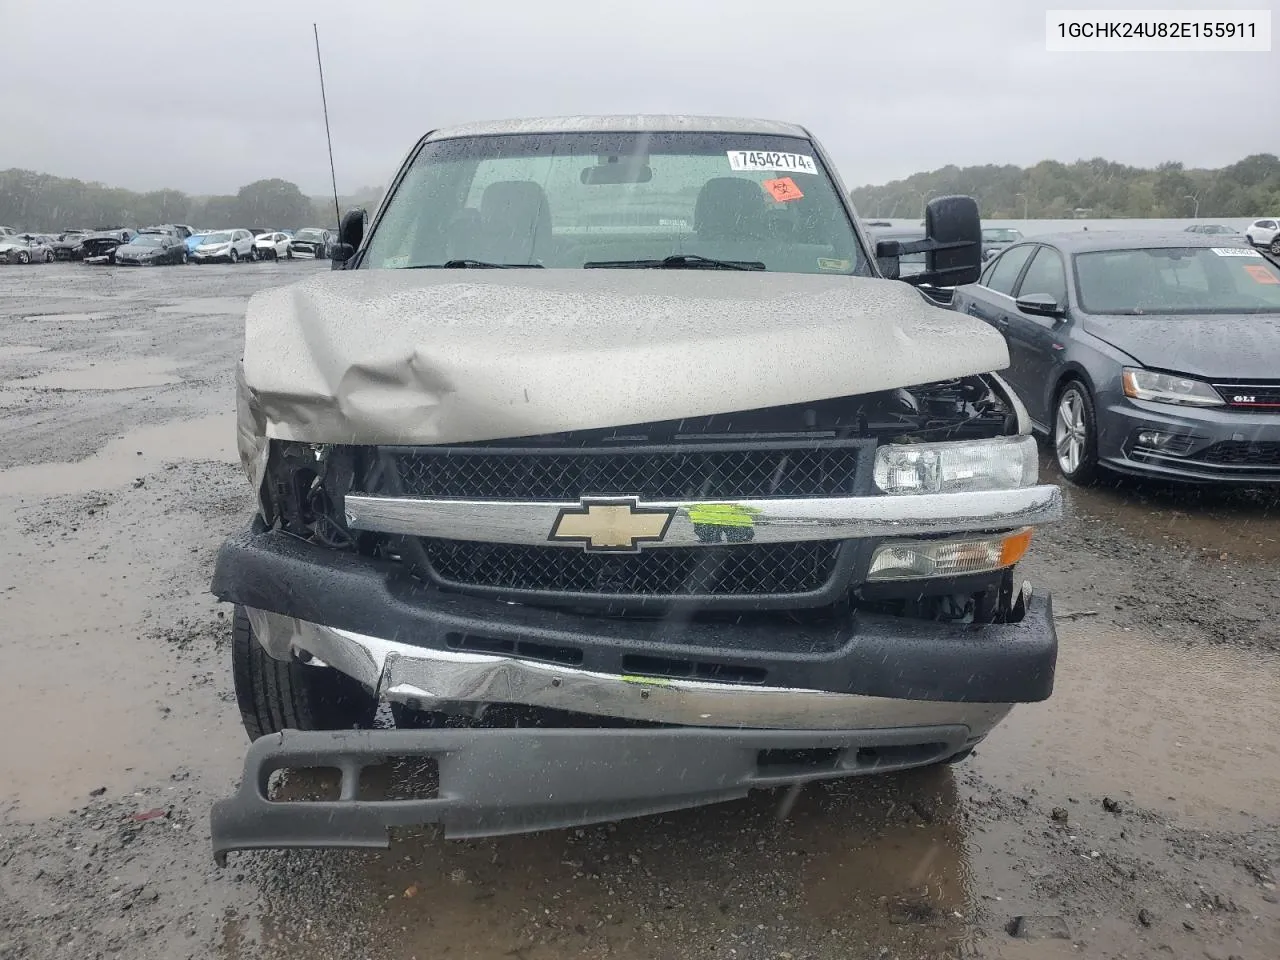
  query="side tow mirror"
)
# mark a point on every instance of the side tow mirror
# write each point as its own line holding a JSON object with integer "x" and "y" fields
{"x": 351, "y": 230}
{"x": 1040, "y": 305}
{"x": 954, "y": 225}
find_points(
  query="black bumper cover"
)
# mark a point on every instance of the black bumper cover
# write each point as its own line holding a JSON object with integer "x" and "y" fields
{"x": 877, "y": 656}
{"x": 503, "y": 781}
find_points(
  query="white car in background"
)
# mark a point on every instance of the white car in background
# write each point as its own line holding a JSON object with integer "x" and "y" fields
{"x": 230, "y": 245}
{"x": 1265, "y": 233}
{"x": 272, "y": 246}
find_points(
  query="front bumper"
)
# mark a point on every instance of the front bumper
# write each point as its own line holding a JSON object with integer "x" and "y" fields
{"x": 854, "y": 695}
{"x": 868, "y": 655}
{"x": 1207, "y": 445}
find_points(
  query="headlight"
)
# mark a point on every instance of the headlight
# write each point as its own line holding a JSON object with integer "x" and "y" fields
{"x": 1168, "y": 388}
{"x": 1004, "y": 463}
{"x": 918, "y": 559}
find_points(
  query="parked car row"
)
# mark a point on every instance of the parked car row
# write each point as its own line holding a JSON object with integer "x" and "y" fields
{"x": 164, "y": 244}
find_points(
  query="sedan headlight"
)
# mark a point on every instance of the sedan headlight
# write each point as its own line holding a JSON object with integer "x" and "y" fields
{"x": 1168, "y": 388}
{"x": 1003, "y": 463}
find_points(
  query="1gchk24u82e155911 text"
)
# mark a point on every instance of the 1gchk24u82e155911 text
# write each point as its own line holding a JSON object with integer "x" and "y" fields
{"x": 1156, "y": 30}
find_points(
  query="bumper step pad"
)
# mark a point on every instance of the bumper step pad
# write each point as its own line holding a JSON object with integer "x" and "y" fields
{"x": 516, "y": 780}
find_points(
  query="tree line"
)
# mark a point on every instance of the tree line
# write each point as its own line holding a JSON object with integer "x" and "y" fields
{"x": 1087, "y": 188}
{"x": 39, "y": 201}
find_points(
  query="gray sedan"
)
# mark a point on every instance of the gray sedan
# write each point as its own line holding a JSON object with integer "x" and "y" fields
{"x": 17, "y": 249}
{"x": 1151, "y": 354}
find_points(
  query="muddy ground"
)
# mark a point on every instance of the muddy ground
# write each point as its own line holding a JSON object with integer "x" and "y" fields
{"x": 1137, "y": 812}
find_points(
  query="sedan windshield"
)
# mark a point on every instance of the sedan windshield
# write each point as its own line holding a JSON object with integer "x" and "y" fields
{"x": 146, "y": 240}
{"x": 218, "y": 238}
{"x": 1177, "y": 280}
{"x": 665, "y": 201}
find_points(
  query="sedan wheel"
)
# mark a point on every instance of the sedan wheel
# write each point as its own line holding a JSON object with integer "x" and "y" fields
{"x": 1075, "y": 443}
{"x": 1275, "y": 245}
{"x": 48, "y": 256}
{"x": 233, "y": 256}
{"x": 24, "y": 256}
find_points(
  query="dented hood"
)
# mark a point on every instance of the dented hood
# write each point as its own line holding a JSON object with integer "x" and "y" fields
{"x": 447, "y": 356}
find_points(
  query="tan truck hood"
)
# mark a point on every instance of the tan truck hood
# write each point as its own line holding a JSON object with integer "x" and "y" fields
{"x": 448, "y": 356}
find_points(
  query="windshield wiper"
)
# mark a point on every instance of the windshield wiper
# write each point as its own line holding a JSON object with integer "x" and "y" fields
{"x": 473, "y": 265}
{"x": 680, "y": 261}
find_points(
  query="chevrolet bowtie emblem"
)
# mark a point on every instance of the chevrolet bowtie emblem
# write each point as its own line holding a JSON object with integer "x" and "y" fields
{"x": 611, "y": 525}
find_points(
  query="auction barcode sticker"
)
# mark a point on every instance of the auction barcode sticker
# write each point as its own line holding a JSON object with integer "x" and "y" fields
{"x": 1236, "y": 252}
{"x": 771, "y": 161}
{"x": 1154, "y": 31}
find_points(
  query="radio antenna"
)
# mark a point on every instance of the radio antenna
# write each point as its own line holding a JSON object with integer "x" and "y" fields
{"x": 325, "y": 103}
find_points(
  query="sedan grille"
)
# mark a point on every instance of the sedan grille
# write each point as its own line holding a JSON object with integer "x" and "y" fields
{"x": 745, "y": 570}
{"x": 721, "y": 471}
{"x": 1242, "y": 453}
{"x": 1250, "y": 396}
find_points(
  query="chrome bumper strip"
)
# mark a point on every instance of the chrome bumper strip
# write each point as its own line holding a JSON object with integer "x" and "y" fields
{"x": 770, "y": 521}
{"x": 427, "y": 679}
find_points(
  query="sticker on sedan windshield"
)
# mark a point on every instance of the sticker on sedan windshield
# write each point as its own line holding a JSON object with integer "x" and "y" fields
{"x": 825, "y": 263}
{"x": 1236, "y": 252}
{"x": 769, "y": 160}
{"x": 1260, "y": 273}
{"x": 784, "y": 189}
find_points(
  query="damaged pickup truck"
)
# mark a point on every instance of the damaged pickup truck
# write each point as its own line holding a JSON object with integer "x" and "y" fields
{"x": 607, "y": 460}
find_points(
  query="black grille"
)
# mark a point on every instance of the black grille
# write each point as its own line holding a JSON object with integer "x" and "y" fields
{"x": 746, "y": 570}
{"x": 1250, "y": 396}
{"x": 1242, "y": 453}
{"x": 809, "y": 471}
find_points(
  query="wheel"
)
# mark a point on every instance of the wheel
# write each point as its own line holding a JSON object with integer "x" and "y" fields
{"x": 184, "y": 257}
{"x": 275, "y": 696}
{"x": 254, "y": 256}
{"x": 233, "y": 256}
{"x": 1075, "y": 434}
{"x": 1275, "y": 245}
{"x": 24, "y": 256}
{"x": 288, "y": 254}
{"x": 48, "y": 256}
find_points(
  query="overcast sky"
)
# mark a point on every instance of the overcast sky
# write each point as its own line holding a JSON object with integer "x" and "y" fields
{"x": 205, "y": 97}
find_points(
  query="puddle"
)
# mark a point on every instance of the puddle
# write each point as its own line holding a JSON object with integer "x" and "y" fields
{"x": 131, "y": 374}
{"x": 123, "y": 459}
{"x": 1184, "y": 730}
{"x": 1244, "y": 524}
{"x": 206, "y": 305}
{"x": 20, "y": 350}
{"x": 93, "y": 699}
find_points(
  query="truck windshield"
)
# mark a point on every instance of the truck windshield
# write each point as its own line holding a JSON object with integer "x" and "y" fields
{"x": 646, "y": 200}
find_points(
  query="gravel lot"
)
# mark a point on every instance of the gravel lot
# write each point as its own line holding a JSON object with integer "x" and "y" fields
{"x": 1136, "y": 813}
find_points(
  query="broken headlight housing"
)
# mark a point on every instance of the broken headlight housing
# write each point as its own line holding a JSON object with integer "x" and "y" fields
{"x": 1001, "y": 463}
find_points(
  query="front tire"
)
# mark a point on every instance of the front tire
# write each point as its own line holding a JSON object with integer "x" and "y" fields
{"x": 233, "y": 256}
{"x": 1275, "y": 246}
{"x": 24, "y": 256}
{"x": 48, "y": 256}
{"x": 1075, "y": 434}
{"x": 274, "y": 695}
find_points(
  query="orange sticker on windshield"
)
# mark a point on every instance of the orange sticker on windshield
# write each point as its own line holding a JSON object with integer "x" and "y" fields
{"x": 1260, "y": 273}
{"x": 783, "y": 189}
